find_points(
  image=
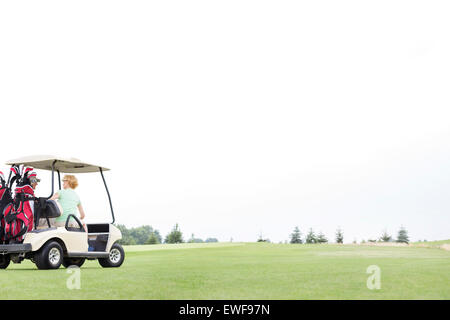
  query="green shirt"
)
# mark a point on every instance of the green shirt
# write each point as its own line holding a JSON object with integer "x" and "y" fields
{"x": 69, "y": 200}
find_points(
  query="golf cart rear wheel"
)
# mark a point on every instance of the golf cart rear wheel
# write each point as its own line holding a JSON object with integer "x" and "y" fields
{"x": 50, "y": 256}
{"x": 5, "y": 259}
{"x": 67, "y": 262}
{"x": 115, "y": 259}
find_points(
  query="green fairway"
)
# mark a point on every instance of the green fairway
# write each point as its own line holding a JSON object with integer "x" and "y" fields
{"x": 243, "y": 271}
{"x": 433, "y": 244}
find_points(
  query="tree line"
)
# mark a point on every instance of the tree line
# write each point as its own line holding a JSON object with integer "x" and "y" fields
{"x": 311, "y": 237}
{"x": 148, "y": 235}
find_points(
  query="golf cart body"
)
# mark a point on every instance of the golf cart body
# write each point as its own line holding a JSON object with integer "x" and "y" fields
{"x": 51, "y": 246}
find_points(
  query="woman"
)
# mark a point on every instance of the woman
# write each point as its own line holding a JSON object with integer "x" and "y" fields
{"x": 69, "y": 201}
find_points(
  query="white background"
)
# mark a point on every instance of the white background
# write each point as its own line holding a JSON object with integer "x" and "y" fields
{"x": 238, "y": 118}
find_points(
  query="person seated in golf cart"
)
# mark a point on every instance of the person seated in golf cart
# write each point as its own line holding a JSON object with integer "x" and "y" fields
{"x": 69, "y": 201}
{"x": 33, "y": 183}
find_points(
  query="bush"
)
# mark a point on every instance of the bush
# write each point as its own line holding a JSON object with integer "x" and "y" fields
{"x": 194, "y": 240}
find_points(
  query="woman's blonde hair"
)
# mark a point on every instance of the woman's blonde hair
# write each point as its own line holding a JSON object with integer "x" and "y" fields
{"x": 73, "y": 182}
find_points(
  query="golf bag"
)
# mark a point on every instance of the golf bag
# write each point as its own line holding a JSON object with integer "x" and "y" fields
{"x": 18, "y": 214}
{"x": 5, "y": 199}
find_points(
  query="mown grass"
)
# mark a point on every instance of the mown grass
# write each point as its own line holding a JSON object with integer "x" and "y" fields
{"x": 243, "y": 271}
{"x": 434, "y": 244}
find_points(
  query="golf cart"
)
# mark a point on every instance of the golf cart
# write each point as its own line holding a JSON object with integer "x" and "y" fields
{"x": 50, "y": 246}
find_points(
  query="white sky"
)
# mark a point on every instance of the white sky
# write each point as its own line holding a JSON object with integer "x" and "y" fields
{"x": 236, "y": 118}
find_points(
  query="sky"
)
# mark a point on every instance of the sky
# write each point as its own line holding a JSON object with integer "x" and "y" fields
{"x": 237, "y": 119}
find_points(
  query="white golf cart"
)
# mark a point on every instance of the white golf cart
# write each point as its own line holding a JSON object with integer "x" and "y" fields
{"x": 50, "y": 246}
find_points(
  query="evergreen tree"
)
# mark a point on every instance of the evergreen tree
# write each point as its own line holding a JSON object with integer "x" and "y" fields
{"x": 261, "y": 239}
{"x": 385, "y": 237}
{"x": 296, "y": 236}
{"x": 321, "y": 238}
{"x": 311, "y": 237}
{"x": 339, "y": 236}
{"x": 402, "y": 235}
{"x": 152, "y": 239}
{"x": 175, "y": 236}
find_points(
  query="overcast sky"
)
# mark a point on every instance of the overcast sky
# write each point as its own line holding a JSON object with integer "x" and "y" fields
{"x": 236, "y": 118}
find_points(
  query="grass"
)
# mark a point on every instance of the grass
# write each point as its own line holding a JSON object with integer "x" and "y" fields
{"x": 433, "y": 244}
{"x": 243, "y": 271}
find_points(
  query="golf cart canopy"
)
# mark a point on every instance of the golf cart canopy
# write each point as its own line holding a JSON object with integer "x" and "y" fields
{"x": 65, "y": 165}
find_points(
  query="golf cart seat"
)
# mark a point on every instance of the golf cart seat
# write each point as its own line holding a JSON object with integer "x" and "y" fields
{"x": 45, "y": 210}
{"x": 49, "y": 209}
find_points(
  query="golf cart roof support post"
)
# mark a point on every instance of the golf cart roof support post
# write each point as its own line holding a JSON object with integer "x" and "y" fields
{"x": 109, "y": 196}
{"x": 59, "y": 180}
{"x": 53, "y": 180}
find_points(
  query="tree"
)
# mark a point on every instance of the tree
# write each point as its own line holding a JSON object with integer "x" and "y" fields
{"x": 261, "y": 239}
{"x": 175, "y": 236}
{"x": 385, "y": 237}
{"x": 339, "y": 236}
{"x": 311, "y": 237}
{"x": 296, "y": 236}
{"x": 321, "y": 238}
{"x": 139, "y": 235}
{"x": 402, "y": 235}
{"x": 194, "y": 240}
{"x": 158, "y": 235}
{"x": 153, "y": 239}
{"x": 127, "y": 239}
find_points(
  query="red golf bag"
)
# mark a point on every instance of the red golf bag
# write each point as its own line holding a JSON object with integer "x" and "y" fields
{"x": 18, "y": 214}
{"x": 5, "y": 200}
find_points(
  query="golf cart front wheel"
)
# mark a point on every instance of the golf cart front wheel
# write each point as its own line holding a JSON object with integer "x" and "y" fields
{"x": 115, "y": 258}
